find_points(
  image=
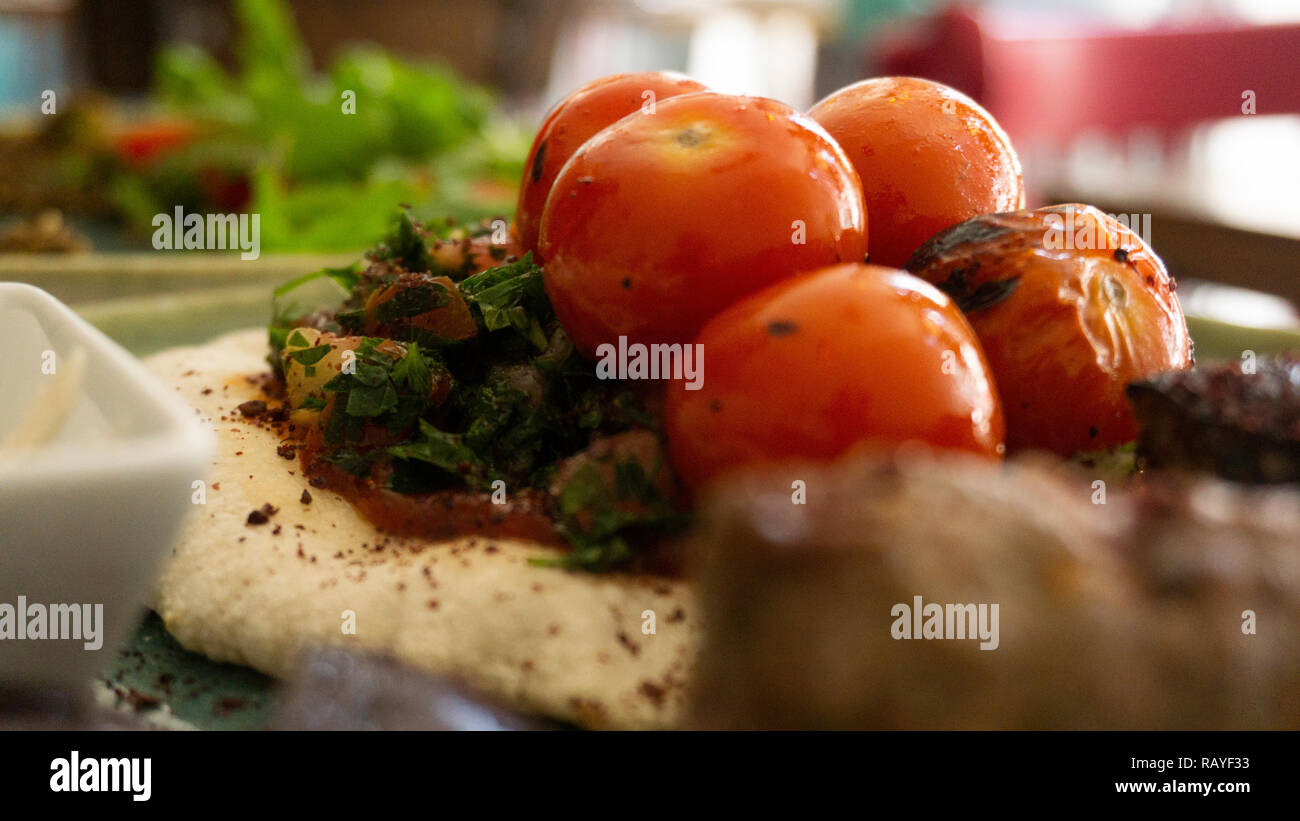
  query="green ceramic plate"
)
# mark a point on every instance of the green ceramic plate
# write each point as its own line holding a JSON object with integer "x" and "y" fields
{"x": 152, "y": 666}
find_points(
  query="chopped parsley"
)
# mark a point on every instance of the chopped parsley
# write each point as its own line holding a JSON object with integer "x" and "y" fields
{"x": 511, "y": 403}
{"x": 602, "y": 518}
{"x": 447, "y": 452}
{"x": 511, "y": 296}
{"x": 405, "y": 246}
{"x": 308, "y": 356}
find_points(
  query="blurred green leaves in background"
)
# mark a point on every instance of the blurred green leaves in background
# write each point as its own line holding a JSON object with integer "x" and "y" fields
{"x": 272, "y": 137}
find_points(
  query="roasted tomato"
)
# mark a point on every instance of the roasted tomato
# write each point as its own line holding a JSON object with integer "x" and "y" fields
{"x": 928, "y": 155}
{"x": 810, "y": 367}
{"x": 472, "y": 254}
{"x": 1070, "y": 307}
{"x": 576, "y": 119}
{"x": 662, "y": 220}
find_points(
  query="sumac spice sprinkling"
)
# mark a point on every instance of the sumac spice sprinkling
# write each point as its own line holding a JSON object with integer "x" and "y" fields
{"x": 305, "y": 498}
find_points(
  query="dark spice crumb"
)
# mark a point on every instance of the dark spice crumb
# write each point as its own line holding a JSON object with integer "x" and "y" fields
{"x": 652, "y": 691}
{"x": 305, "y": 498}
{"x": 628, "y": 644}
{"x": 140, "y": 701}
{"x": 224, "y": 705}
{"x": 253, "y": 407}
{"x": 286, "y": 451}
{"x": 263, "y": 514}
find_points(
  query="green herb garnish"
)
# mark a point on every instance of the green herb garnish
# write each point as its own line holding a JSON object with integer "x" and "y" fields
{"x": 404, "y": 246}
{"x": 511, "y": 403}
{"x": 445, "y": 451}
{"x": 511, "y": 296}
{"x": 308, "y": 356}
{"x": 601, "y": 518}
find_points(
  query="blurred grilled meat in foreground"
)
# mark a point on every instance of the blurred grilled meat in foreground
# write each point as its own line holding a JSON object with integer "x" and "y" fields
{"x": 1242, "y": 426}
{"x": 1122, "y": 614}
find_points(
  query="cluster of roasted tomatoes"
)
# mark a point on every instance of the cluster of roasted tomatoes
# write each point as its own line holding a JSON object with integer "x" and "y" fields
{"x": 666, "y": 213}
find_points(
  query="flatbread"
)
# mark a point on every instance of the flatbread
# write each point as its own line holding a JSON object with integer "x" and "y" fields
{"x": 572, "y": 645}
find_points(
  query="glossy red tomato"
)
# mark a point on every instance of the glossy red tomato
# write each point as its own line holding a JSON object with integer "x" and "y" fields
{"x": 576, "y": 119}
{"x": 811, "y": 367}
{"x": 928, "y": 156}
{"x": 664, "y": 219}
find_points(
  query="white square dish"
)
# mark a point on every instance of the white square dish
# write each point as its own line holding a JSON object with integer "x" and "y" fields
{"x": 87, "y": 513}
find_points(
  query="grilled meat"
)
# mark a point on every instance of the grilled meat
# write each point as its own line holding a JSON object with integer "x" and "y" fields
{"x": 1122, "y": 614}
{"x": 1241, "y": 426}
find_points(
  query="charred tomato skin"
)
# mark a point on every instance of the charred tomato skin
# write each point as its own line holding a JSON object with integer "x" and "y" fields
{"x": 1070, "y": 308}
{"x": 849, "y": 355}
{"x": 661, "y": 221}
{"x": 576, "y": 119}
{"x": 928, "y": 157}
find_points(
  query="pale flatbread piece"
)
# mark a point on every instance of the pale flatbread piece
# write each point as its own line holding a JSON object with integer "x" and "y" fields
{"x": 571, "y": 645}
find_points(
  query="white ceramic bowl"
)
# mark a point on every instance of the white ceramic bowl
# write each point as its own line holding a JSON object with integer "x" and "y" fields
{"x": 85, "y": 516}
